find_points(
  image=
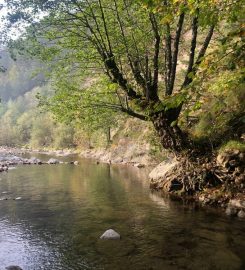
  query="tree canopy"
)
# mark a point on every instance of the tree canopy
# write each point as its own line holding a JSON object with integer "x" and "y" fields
{"x": 150, "y": 51}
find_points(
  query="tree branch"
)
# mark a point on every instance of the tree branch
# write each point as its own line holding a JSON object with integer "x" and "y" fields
{"x": 200, "y": 56}
{"x": 133, "y": 64}
{"x": 111, "y": 66}
{"x": 205, "y": 46}
{"x": 192, "y": 51}
{"x": 168, "y": 57}
{"x": 134, "y": 114}
{"x": 154, "y": 89}
{"x": 105, "y": 27}
{"x": 175, "y": 53}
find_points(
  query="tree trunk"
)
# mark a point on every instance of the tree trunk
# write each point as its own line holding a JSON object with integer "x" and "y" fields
{"x": 108, "y": 135}
{"x": 171, "y": 136}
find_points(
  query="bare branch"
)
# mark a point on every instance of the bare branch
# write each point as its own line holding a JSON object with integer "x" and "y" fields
{"x": 168, "y": 57}
{"x": 175, "y": 53}
{"x": 105, "y": 27}
{"x": 192, "y": 51}
{"x": 205, "y": 45}
{"x": 153, "y": 92}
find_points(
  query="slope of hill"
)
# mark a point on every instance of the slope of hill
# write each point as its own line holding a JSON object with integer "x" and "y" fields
{"x": 18, "y": 77}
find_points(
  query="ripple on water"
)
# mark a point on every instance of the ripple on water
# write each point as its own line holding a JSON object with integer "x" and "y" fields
{"x": 66, "y": 209}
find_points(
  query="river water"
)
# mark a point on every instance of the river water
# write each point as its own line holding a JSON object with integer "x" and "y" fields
{"x": 64, "y": 209}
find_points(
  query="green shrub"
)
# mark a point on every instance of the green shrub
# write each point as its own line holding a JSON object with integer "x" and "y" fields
{"x": 236, "y": 145}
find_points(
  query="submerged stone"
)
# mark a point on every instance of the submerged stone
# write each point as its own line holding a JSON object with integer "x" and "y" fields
{"x": 13, "y": 267}
{"x": 110, "y": 234}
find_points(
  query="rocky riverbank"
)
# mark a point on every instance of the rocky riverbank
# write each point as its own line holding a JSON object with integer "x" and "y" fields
{"x": 124, "y": 153}
{"x": 10, "y": 157}
{"x": 215, "y": 180}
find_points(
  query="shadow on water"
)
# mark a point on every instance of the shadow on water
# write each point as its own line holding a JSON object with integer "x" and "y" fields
{"x": 65, "y": 208}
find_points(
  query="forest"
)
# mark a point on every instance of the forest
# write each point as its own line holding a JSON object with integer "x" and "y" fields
{"x": 122, "y": 134}
{"x": 178, "y": 65}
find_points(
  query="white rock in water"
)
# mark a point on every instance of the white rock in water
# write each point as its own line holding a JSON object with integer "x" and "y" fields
{"x": 110, "y": 234}
{"x": 53, "y": 161}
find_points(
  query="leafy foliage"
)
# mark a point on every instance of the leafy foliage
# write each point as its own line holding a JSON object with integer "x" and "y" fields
{"x": 156, "y": 56}
{"x": 219, "y": 90}
{"x": 22, "y": 123}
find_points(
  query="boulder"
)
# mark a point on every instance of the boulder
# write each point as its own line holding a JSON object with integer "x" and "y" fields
{"x": 230, "y": 158}
{"x": 34, "y": 160}
{"x": 26, "y": 161}
{"x": 236, "y": 203}
{"x": 110, "y": 235}
{"x": 53, "y": 161}
{"x": 162, "y": 169}
{"x": 14, "y": 160}
{"x": 163, "y": 176}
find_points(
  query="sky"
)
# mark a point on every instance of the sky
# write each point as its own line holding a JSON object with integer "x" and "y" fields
{"x": 3, "y": 11}
{"x": 14, "y": 34}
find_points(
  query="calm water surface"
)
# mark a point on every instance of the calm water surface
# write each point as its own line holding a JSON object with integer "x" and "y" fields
{"x": 65, "y": 208}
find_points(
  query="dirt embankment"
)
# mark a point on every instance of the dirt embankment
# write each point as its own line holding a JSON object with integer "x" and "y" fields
{"x": 125, "y": 152}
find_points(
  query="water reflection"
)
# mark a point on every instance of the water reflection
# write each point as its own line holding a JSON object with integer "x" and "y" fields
{"x": 65, "y": 208}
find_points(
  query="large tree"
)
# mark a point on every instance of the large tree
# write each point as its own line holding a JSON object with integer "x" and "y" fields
{"x": 151, "y": 50}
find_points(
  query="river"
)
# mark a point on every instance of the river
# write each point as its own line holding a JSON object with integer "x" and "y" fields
{"x": 64, "y": 209}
